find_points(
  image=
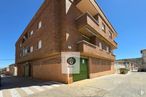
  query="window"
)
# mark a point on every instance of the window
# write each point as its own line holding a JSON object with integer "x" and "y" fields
{"x": 31, "y": 33}
{"x": 26, "y": 51}
{"x": 103, "y": 27}
{"x": 25, "y": 37}
{"x": 104, "y": 46}
{"x": 23, "y": 40}
{"x": 31, "y": 49}
{"x": 20, "y": 55}
{"x": 96, "y": 17}
{"x": 69, "y": 47}
{"x": 71, "y": 1}
{"x": 40, "y": 44}
{"x": 107, "y": 49}
{"x": 39, "y": 25}
{"x": 110, "y": 50}
{"x": 86, "y": 38}
{"x": 100, "y": 45}
{"x": 83, "y": 61}
{"x": 20, "y": 45}
{"x": 110, "y": 35}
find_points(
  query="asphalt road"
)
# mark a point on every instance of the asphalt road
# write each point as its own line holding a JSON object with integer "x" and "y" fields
{"x": 22, "y": 87}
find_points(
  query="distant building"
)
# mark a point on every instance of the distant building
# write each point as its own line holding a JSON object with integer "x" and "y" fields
{"x": 0, "y": 71}
{"x": 143, "y": 52}
{"x": 6, "y": 71}
{"x": 13, "y": 69}
{"x": 10, "y": 70}
{"x": 130, "y": 64}
{"x": 133, "y": 63}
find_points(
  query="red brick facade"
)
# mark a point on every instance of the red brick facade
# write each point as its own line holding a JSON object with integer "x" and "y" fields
{"x": 62, "y": 30}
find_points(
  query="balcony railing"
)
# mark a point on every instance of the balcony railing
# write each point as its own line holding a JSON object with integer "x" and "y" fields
{"x": 93, "y": 50}
{"x": 87, "y": 25}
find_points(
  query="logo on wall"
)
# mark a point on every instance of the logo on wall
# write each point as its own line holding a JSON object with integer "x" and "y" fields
{"x": 70, "y": 62}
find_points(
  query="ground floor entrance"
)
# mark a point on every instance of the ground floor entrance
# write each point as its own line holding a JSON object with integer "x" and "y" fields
{"x": 27, "y": 70}
{"x": 84, "y": 74}
{"x": 51, "y": 69}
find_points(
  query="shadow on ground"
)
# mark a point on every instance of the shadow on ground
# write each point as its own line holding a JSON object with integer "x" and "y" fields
{"x": 17, "y": 82}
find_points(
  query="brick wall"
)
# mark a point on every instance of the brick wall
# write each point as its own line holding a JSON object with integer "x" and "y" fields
{"x": 99, "y": 67}
{"x": 49, "y": 69}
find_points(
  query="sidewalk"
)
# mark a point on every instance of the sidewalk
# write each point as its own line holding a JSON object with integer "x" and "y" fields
{"x": 116, "y": 85}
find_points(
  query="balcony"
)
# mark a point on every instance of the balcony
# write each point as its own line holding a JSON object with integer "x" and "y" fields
{"x": 92, "y": 50}
{"x": 87, "y": 5}
{"x": 87, "y": 25}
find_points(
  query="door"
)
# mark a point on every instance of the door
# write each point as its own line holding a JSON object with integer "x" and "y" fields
{"x": 27, "y": 70}
{"x": 84, "y": 74}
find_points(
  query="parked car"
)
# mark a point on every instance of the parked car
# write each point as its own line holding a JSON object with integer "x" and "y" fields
{"x": 141, "y": 70}
{"x": 123, "y": 71}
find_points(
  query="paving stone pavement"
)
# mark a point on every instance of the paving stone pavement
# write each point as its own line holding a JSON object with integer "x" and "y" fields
{"x": 21, "y": 87}
{"x": 132, "y": 84}
{"x": 26, "y": 91}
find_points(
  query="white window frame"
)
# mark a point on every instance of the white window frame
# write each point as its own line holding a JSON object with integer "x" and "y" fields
{"x": 107, "y": 49}
{"x": 20, "y": 45}
{"x": 24, "y": 51}
{"x": 31, "y": 49}
{"x": 40, "y": 25}
{"x": 100, "y": 45}
{"x": 31, "y": 33}
{"x": 103, "y": 27}
{"x": 40, "y": 44}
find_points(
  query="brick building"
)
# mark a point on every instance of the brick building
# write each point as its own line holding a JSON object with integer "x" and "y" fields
{"x": 13, "y": 69}
{"x": 66, "y": 26}
{"x": 132, "y": 64}
{"x": 143, "y": 67}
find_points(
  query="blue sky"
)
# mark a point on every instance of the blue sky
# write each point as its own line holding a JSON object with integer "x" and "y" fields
{"x": 14, "y": 17}
{"x": 127, "y": 16}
